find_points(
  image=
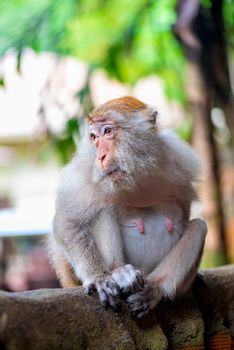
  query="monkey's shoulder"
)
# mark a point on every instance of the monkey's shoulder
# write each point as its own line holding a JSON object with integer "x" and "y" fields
{"x": 180, "y": 162}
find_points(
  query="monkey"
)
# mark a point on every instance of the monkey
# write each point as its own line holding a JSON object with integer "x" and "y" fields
{"x": 122, "y": 225}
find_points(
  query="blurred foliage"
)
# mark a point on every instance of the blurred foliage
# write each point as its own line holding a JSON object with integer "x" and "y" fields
{"x": 36, "y": 24}
{"x": 229, "y": 22}
{"x": 62, "y": 145}
{"x": 2, "y": 82}
{"x": 129, "y": 39}
{"x": 65, "y": 143}
{"x": 185, "y": 129}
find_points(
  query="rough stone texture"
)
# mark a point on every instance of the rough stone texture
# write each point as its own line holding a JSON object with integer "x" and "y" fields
{"x": 69, "y": 319}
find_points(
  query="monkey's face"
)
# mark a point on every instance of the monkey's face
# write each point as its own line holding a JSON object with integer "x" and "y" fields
{"x": 124, "y": 154}
{"x": 123, "y": 134}
{"x": 104, "y": 136}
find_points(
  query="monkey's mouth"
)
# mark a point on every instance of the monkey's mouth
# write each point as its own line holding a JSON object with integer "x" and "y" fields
{"x": 113, "y": 171}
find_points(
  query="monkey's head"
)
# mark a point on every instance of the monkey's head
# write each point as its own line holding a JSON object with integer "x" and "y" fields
{"x": 123, "y": 135}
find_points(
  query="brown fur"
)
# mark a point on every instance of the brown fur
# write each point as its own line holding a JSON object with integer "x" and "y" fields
{"x": 126, "y": 105}
{"x": 64, "y": 271}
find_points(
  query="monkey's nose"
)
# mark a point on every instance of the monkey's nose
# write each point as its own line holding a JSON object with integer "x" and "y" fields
{"x": 101, "y": 159}
{"x": 102, "y": 152}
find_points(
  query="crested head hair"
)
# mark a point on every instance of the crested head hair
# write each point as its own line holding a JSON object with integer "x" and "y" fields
{"x": 125, "y": 105}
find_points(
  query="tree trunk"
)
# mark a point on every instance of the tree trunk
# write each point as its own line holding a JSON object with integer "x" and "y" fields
{"x": 201, "y": 32}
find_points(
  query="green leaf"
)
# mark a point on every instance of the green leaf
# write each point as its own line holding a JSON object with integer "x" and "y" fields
{"x": 2, "y": 82}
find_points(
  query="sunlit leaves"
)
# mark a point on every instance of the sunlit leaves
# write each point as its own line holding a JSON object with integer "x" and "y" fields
{"x": 2, "y": 82}
{"x": 228, "y": 10}
{"x": 36, "y": 24}
{"x": 129, "y": 39}
{"x": 65, "y": 143}
{"x": 184, "y": 129}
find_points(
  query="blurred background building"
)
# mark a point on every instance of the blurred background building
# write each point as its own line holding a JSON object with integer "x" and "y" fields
{"x": 60, "y": 59}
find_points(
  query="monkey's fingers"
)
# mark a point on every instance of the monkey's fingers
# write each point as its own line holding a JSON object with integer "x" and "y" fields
{"x": 108, "y": 293}
{"x": 142, "y": 302}
{"x": 140, "y": 311}
{"x": 128, "y": 279}
{"x": 137, "y": 305}
{"x": 108, "y": 301}
{"x": 114, "y": 303}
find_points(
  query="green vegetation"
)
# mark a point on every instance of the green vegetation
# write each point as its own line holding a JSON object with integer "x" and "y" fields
{"x": 129, "y": 39}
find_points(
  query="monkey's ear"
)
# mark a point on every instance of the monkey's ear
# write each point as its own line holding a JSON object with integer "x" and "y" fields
{"x": 153, "y": 116}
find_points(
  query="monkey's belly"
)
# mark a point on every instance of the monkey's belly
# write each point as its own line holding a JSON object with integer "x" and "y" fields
{"x": 148, "y": 238}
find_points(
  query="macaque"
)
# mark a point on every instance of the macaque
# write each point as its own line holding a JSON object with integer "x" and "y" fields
{"x": 122, "y": 225}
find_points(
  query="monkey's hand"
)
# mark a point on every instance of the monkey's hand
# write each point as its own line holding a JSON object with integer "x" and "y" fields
{"x": 108, "y": 292}
{"x": 142, "y": 302}
{"x": 128, "y": 279}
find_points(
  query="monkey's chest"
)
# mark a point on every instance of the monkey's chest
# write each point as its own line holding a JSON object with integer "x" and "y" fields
{"x": 147, "y": 237}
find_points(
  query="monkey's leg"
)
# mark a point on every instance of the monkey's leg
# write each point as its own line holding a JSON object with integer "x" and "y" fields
{"x": 175, "y": 272}
{"x": 65, "y": 272}
{"x": 182, "y": 261}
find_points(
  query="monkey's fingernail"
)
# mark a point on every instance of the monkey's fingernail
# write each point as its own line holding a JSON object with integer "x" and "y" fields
{"x": 90, "y": 289}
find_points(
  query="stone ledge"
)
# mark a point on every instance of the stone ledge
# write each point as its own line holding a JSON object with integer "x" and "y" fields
{"x": 68, "y": 319}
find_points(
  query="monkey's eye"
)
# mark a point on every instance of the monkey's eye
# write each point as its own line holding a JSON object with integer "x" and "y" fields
{"x": 92, "y": 136}
{"x": 107, "y": 130}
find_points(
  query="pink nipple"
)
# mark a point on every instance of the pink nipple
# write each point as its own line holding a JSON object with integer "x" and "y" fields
{"x": 140, "y": 225}
{"x": 169, "y": 225}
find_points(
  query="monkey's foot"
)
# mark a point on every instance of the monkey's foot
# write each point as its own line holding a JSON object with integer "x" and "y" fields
{"x": 128, "y": 279}
{"x": 142, "y": 302}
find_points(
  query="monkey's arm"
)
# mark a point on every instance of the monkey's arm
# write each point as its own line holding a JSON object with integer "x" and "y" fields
{"x": 175, "y": 273}
{"x": 79, "y": 248}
